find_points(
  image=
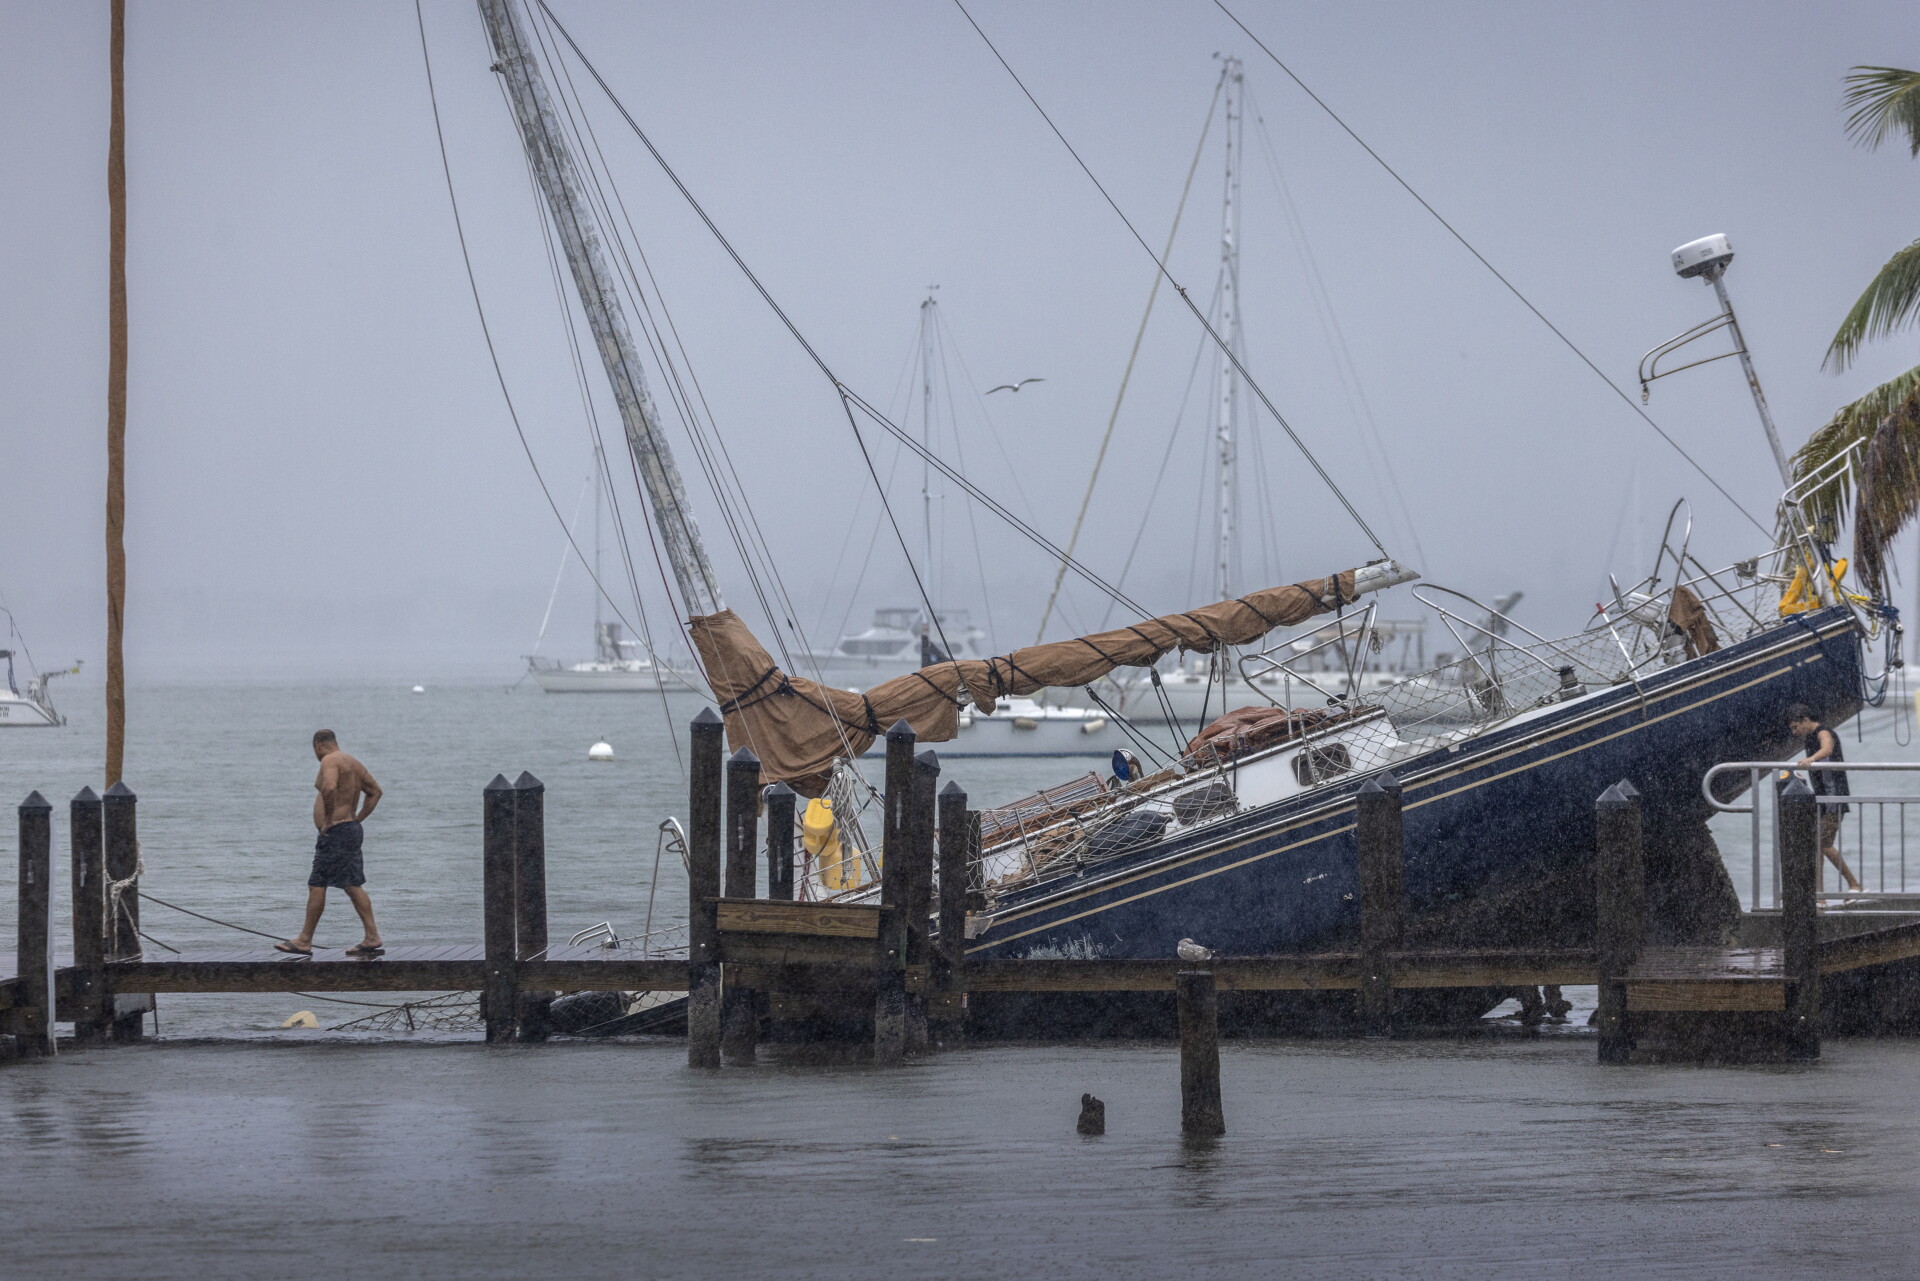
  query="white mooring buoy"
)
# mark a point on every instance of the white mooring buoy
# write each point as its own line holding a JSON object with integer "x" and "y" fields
{"x": 601, "y": 751}
{"x": 419, "y": 689}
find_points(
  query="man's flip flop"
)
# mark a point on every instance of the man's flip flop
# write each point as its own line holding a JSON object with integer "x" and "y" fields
{"x": 291, "y": 950}
{"x": 363, "y": 951}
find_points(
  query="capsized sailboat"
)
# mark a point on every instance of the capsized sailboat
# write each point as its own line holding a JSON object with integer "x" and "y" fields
{"x": 1246, "y": 842}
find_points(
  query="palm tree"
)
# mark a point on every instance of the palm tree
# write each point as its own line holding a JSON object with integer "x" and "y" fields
{"x": 1883, "y": 102}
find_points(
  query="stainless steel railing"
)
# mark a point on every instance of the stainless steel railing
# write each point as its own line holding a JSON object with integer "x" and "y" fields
{"x": 1873, "y": 836}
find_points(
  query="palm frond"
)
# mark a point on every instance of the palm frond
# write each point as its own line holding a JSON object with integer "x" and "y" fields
{"x": 1882, "y": 101}
{"x": 1884, "y": 495}
{"x": 1890, "y": 301}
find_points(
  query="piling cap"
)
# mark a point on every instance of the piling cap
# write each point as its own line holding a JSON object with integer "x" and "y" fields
{"x": 1612, "y": 798}
{"x": 953, "y": 789}
{"x": 528, "y": 783}
{"x": 499, "y": 784}
{"x": 1628, "y": 790}
{"x": 1796, "y": 789}
{"x": 86, "y": 796}
{"x": 928, "y": 760}
{"x": 778, "y": 792}
{"x": 900, "y": 729}
{"x": 1380, "y": 785}
{"x": 119, "y": 792}
{"x": 707, "y": 719}
{"x": 34, "y": 802}
{"x": 742, "y": 759}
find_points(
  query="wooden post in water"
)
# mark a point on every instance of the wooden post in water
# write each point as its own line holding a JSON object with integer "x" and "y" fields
{"x": 93, "y": 1006}
{"x": 500, "y": 994}
{"x": 780, "y": 819}
{"x": 1798, "y": 841}
{"x": 34, "y": 1007}
{"x": 1620, "y": 929}
{"x": 890, "y": 996}
{"x": 530, "y": 897}
{"x": 1200, "y": 1111}
{"x": 120, "y": 834}
{"x": 703, "y": 886}
{"x": 946, "y": 979}
{"x": 740, "y": 1009}
{"x": 1382, "y": 855}
{"x": 919, "y": 904}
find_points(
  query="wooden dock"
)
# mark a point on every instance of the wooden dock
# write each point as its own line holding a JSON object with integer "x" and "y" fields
{"x": 899, "y": 965}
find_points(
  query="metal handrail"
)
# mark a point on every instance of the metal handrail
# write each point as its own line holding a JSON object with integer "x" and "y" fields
{"x": 1758, "y": 772}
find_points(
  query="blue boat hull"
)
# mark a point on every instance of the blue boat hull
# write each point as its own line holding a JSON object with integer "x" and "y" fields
{"x": 1506, "y": 817}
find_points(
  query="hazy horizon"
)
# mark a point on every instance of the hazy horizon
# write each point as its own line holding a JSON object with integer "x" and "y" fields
{"x": 323, "y": 480}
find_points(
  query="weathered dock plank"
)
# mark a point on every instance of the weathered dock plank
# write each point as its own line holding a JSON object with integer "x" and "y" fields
{"x": 772, "y": 916}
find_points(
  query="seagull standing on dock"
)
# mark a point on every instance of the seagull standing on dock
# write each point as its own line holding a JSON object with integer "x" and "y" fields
{"x": 1014, "y": 387}
{"x": 1188, "y": 950}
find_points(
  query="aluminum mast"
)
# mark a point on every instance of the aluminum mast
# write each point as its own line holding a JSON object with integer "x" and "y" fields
{"x": 1229, "y": 335}
{"x": 573, "y": 219}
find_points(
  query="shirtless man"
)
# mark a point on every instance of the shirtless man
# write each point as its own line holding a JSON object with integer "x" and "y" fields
{"x": 347, "y": 795}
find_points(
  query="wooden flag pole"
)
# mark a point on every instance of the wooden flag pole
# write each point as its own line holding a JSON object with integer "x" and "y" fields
{"x": 116, "y": 402}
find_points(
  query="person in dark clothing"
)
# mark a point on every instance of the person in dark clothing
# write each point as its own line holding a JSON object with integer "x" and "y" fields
{"x": 1822, "y": 744}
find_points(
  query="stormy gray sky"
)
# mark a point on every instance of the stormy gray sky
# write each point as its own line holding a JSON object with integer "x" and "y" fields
{"x": 323, "y": 478}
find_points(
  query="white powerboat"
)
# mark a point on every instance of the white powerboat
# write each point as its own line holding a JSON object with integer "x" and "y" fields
{"x": 29, "y": 709}
{"x": 899, "y": 641}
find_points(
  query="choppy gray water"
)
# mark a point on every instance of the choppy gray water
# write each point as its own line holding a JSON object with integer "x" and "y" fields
{"x": 315, "y": 1153}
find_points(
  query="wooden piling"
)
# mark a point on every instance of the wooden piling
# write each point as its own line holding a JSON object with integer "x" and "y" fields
{"x": 703, "y": 887}
{"x": 1201, "y": 1115}
{"x": 33, "y": 1002}
{"x": 946, "y": 977}
{"x": 1620, "y": 931}
{"x": 1382, "y": 857}
{"x": 890, "y": 964}
{"x": 500, "y": 994}
{"x": 739, "y": 1009}
{"x": 919, "y": 892}
{"x": 780, "y": 826}
{"x": 1798, "y": 840}
{"x": 120, "y": 837}
{"x": 93, "y": 1005}
{"x": 530, "y": 898}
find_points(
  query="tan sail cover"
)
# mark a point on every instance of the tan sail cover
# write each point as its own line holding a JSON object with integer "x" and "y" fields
{"x": 797, "y": 726}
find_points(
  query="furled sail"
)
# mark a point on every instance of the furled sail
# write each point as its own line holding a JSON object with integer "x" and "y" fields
{"x": 797, "y": 726}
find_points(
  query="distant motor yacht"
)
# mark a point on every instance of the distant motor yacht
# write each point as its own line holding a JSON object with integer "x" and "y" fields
{"x": 898, "y": 642}
{"x": 620, "y": 666}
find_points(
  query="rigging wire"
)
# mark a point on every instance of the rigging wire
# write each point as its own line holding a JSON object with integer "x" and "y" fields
{"x": 850, "y": 400}
{"x": 566, "y": 555}
{"x": 1126, "y": 374}
{"x": 480, "y": 313}
{"x": 1482, "y": 259}
{"x": 1226, "y": 348}
{"x": 1322, "y": 298}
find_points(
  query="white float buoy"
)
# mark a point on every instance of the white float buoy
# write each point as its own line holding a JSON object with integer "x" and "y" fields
{"x": 419, "y": 689}
{"x": 601, "y": 751}
{"x": 304, "y": 1018}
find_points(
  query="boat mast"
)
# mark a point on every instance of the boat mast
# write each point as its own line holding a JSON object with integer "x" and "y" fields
{"x": 1229, "y": 334}
{"x": 926, "y": 437}
{"x": 599, "y": 483}
{"x": 573, "y": 219}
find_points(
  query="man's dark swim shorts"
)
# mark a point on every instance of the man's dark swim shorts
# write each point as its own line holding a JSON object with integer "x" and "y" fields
{"x": 336, "y": 857}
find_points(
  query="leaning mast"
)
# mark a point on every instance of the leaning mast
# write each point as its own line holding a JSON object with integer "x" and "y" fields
{"x": 554, "y": 169}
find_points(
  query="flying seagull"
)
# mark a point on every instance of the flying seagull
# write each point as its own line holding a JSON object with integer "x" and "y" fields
{"x": 1188, "y": 950}
{"x": 1014, "y": 387}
